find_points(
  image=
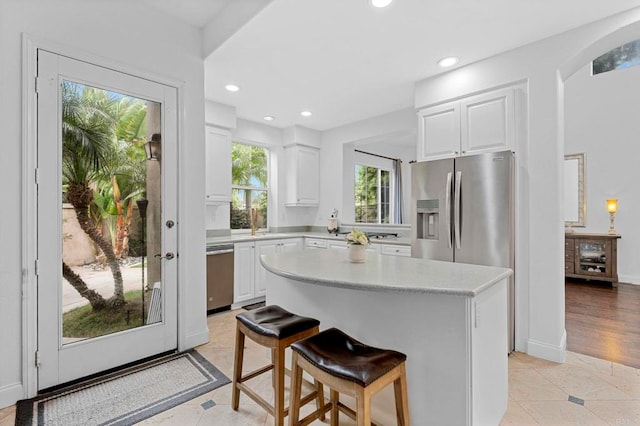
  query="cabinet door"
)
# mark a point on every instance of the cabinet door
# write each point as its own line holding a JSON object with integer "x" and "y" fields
{"x": 592, "y": 257}
{"x": 243, "y": 271}
{"x": 487, "y": 122}
{"x": 263, "y": 247}
{"x": 218, "y": 165}
{"x": 303, "y": 180}
{"x": 439, "y": 131}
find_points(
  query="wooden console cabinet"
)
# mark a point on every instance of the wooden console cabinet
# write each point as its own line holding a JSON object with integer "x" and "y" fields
{"x": 591, "y": 256}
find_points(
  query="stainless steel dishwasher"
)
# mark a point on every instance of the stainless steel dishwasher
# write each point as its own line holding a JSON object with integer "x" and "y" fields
{"x": 219, "y": 277}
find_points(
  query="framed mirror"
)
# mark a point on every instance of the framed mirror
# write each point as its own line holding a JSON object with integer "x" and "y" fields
{"x": 575, "y": 207}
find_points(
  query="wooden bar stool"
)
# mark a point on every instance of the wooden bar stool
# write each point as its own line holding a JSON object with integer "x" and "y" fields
{"x": 274, "y": 328}
{"x": 350, "y": 367}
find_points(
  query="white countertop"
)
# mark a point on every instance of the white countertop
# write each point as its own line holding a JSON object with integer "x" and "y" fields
{"x": 241, "y": 238}
{"x": 384, "y": 273}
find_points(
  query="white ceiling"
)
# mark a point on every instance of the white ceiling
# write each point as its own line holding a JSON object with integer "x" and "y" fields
{"x": 194, "y": 12}
{"x": 346, "y": 61}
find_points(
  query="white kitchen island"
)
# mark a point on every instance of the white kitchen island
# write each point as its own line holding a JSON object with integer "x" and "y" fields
{"x": 449, "y": 318}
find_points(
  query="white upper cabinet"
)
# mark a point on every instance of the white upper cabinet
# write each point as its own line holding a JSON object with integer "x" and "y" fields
{"x": 487, "y": 122}
{"x": 303, "y": 175}
{"x": 471, "y": 125}
{"x": 218, "y": 165}
{"x": 439, "y": 131}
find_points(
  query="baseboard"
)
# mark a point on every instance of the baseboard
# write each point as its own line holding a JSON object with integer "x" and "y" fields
{"x": 629, "y": 279}
{"x": 10, "y": 394}
{"x": 549, "y": 352}
{"x": 195, "y": 339}
{"x": 248, "y": 302}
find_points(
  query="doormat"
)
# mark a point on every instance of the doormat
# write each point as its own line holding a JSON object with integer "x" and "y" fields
{"x": 254, "y": 306}
{"x": 126, "y": 396}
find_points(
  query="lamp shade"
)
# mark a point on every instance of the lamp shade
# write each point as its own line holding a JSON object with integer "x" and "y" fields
{"x": 612, "y": 205}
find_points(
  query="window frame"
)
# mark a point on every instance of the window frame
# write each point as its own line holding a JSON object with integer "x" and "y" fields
{"x": 379, "y": 167}
{"x": 266, "y": 188}
{"x": 618, "y": 67}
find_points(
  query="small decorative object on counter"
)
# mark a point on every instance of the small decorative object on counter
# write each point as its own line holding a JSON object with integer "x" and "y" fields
{"x": 332, "y": 225}
{"x": 357, "y": 242}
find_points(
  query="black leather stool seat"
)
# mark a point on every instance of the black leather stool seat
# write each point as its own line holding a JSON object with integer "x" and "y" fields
{"x": 340, "y": 355}
{"x": 273, "y": 321}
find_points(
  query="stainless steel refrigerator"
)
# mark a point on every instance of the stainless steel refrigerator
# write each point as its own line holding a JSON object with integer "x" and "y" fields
{"x": 462, "y": 210}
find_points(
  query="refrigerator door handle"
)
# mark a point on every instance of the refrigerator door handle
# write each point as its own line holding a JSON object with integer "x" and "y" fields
{"x": 456, "y": 209}
{"x": 447, "y": 207}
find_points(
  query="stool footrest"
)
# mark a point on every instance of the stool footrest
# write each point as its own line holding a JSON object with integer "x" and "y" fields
{"x": 349, "y": 412}
{"x": 255, "y": 373}
{"x": 315, "y": 415}
{"x": 257, "y": 398}
{"x": 268, "y": 407}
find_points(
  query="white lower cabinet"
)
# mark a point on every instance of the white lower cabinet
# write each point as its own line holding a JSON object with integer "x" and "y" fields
{"x": 249, "y": 275}
{"x": 244, "y": 271}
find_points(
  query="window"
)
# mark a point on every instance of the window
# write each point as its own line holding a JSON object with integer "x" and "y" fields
{"x": 625, "y": 56}
{"x": 249, "y": 177}
{"x": 372, "y": 194}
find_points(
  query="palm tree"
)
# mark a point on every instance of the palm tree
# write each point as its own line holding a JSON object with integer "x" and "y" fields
{"x": 249, "y": 168}
{"x": 87, "y": 131}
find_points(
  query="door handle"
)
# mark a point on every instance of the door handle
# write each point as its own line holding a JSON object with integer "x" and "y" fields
{"x": 447, "y": 207}
{"x": 167, "y": 256}
{"x": 456, "y": 210}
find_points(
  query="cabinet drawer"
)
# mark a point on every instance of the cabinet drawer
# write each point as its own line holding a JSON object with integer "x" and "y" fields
{"x": 396, "y": 250}
{"x": 315, "y": 243}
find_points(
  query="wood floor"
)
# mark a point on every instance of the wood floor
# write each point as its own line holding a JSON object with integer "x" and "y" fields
{"x": 603, "y": 321}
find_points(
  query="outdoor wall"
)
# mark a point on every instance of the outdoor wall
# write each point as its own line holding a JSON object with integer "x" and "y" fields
{"x": 137, "y": 38}
{"x": 601, "y": 120}
{"x": 77, "y": 247}
{"x": 540, "y": 297}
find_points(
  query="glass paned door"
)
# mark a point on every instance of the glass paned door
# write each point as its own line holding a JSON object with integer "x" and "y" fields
{"x": 106, "y": 194}
{"x": 592, "y": 257}
{"x": 107, "y": 182}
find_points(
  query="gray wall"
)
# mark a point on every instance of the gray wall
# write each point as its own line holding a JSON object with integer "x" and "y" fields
{"x": 601, "y": 119}
{"x": 137, "y": 39}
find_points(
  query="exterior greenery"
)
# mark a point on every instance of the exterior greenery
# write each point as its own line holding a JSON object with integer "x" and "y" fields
{"x": 249, "y": 178}
{"x": 372, "y": 194}
{"x": 103, "y": 173}
{"x": 625, "y": 56}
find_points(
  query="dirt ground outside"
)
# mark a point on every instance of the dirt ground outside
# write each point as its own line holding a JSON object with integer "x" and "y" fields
{"x": 100, "y": 280}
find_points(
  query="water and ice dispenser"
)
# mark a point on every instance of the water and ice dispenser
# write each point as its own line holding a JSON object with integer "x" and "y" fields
{"x": 428, "y": 219}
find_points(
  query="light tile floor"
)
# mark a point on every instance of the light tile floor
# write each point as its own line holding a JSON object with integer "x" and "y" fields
{"x": 539, "y": 390}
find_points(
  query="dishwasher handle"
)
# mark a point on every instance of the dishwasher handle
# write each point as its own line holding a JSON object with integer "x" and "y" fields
{"x": 220, "y": 251}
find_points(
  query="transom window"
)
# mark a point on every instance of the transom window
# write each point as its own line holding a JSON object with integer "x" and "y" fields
{"x": 372, "y": 194}
{"x": 249, "y": 185}
{"x": 625, "y": 56}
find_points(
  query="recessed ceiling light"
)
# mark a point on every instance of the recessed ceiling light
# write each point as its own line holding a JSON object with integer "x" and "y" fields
{"x": 232, "y": 87}
{"x": 306, "y": 113}
{"x": 268, "y": 118}
{"x": 380, "y": 3}
{"x": 449, "y": 61}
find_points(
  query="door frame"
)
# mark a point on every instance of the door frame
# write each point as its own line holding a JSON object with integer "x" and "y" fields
{"x": 30, "y": 46}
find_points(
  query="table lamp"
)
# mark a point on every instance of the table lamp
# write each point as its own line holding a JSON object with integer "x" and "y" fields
{"x": 612, "y": 208}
